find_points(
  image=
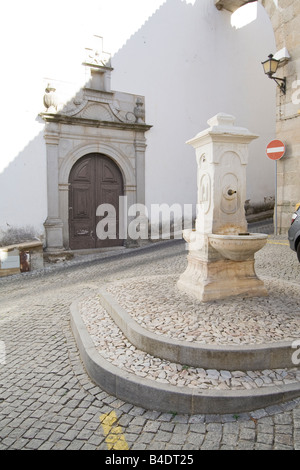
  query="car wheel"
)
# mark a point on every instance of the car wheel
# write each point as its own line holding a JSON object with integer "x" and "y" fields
{"x": 298, "y": 252}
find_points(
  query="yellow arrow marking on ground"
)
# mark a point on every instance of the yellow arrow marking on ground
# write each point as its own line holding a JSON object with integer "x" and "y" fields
{"x": 115, "y": 438}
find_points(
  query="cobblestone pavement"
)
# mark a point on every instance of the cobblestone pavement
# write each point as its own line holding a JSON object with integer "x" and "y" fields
{"x": 47, "y": 400}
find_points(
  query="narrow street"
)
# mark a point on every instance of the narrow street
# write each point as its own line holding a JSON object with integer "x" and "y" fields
{"x": 47, "y": 401}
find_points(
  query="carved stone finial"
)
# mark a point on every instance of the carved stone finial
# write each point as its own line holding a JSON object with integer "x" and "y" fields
{"x": 50, "y": 99}
{"x": 139, "y": 111}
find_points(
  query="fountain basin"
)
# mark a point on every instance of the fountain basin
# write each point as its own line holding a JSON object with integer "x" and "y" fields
{"x": 238, "y": 247}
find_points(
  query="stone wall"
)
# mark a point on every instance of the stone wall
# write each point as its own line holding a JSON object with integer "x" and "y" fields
{"x": 286, "y": 23}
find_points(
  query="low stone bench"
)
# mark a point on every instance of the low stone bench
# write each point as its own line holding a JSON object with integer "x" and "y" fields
{"x": 21, "y": 257}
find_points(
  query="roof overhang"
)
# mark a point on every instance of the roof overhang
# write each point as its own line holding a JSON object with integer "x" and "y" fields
{"x": 231, "y": 5}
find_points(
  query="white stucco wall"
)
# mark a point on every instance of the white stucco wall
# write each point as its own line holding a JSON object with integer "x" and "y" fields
{"x": 44, "y": 42}
{"x": 190, "y": 63}
{"x": 187, "y": 60}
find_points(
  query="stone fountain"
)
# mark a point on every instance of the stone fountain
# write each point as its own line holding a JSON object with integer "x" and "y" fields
{"x": 221, "y": 259}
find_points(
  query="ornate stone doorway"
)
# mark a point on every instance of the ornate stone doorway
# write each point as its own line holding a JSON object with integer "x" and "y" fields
{"x": 95, "y": 146}
{"x": 94, "y": 180}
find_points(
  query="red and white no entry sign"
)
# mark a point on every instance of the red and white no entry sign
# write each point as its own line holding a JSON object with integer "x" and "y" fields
{"x": 275, "y": 150}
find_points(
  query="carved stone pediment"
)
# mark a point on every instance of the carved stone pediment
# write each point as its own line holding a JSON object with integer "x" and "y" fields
{"x": 95, "y": 104}
{"x": 109, "y": 110}
{"x": 98, "y": 111}
{"x": 93, "y": 108}
{"x": 75, "y": 106}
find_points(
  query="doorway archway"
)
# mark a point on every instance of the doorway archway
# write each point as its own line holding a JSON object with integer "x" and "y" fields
{"x": 94, "y": 180}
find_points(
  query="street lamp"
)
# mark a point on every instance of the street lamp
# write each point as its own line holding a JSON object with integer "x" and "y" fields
{"x": 270, "y": 67}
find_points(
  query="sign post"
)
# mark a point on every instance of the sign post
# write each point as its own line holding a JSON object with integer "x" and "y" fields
{"x": 275, "y": 151}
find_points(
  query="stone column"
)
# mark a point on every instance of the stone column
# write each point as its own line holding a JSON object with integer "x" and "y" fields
{"x": 64, "y": 211}
{"x": 53, "y": 224}
{"x": 130, "y": 200}
{"x": 140, "y": 149}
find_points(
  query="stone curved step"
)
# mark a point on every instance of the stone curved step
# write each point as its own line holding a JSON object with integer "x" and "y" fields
{"x": 241, "y": 357}
{"x": 161, "y": 395}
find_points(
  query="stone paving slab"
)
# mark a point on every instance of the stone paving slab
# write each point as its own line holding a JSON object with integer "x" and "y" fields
{"x": 47, "y": 400}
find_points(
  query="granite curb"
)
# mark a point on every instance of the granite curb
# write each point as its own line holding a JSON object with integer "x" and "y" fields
{"x": 168, "y": 398}
{"x": 244, "y": 357}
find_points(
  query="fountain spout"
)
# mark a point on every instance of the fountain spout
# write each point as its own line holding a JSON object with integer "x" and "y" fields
{"x": 231, "y": 192}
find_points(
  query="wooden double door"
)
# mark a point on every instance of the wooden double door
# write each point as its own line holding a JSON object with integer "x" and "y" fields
{"x": 94, "y": 180}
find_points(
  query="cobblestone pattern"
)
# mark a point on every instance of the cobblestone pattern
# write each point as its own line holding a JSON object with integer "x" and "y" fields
{"x": 113, "y": 345}
{"x": 47, "y": 401}
{"x": 170, "y": 313}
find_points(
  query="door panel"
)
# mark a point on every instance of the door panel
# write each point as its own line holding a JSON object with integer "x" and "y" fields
{"x": 94, "y": 180}
{"x": 111, "y": 196}
{"x": 107, "y": 173}
{"x": 82, "y": 224}
{"x": 83, "y": 170}
{"x": 81, "y": 204}
{"x": 82, "y": 207}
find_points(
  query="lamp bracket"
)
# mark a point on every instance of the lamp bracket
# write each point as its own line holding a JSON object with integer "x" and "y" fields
{"x": 281, "y": 82}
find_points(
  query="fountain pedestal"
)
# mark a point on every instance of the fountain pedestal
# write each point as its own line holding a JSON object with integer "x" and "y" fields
{"x": 221, "y": 259}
